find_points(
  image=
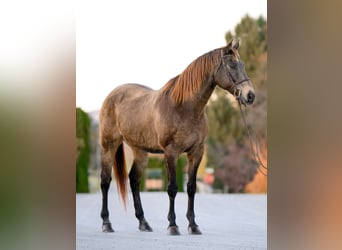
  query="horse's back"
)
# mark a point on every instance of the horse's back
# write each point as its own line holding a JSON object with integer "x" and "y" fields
{"x": 125, "y": 92}
{"x": 133, "y": 89}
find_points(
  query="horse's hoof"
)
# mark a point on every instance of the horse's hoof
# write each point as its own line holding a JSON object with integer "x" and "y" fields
{"x": 173, "y": 230}
{"x": 194, "y": 230}
{"x": 107, "y": 228}
{"x": 145, "y": 227}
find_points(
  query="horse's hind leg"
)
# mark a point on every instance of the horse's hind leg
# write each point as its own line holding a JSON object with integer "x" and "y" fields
{"x": 108, "y": 152}
{"x": 139, "y": 163}
{"x": 170, "y": 162}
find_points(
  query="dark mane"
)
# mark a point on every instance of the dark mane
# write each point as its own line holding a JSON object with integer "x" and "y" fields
{"x": 184, "y": 86}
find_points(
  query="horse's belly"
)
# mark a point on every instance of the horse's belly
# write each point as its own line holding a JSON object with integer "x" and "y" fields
{"x": 143, "y": 145}
{"x": 152, "y": 150}
{"x": 142, "y": 137}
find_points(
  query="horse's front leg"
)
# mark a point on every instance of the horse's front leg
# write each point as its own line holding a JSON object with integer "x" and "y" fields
{"x": 194, "y": 157}
{"x": 170, "y": 162}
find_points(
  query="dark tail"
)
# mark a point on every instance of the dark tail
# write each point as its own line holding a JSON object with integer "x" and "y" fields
{"x": 120, "y": 173}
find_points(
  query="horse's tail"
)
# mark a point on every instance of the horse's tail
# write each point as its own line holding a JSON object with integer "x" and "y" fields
{"x": 120, "y": 173}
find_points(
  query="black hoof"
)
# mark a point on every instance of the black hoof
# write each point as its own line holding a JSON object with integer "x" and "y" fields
{"x": 145, "y": 227}
{"x": 173, "y": 230}
{"x": 107, "y": 228}
{"x": 194, "y": 230}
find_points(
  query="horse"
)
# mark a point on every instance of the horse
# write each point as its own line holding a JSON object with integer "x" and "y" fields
{"x": 172, "y": 121}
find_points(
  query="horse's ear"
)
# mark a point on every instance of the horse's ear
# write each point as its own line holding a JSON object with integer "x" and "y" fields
{"x": 230, "y": 44}
{"x": 237, "y": 44}
{"x": 228, "y": 49}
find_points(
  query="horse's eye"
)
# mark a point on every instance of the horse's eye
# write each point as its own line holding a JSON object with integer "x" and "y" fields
{"x": 230, "y": 59}
{"x": 233, "y": 63}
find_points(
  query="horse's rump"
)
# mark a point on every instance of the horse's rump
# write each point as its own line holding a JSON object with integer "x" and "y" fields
{"x": 133, "y": 107}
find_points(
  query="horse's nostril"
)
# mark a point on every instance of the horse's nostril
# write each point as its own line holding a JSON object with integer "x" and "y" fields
{"x": 250, "y": 97}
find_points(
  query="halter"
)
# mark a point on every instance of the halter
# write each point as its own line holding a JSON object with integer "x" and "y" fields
{"x": 235, "y": 89}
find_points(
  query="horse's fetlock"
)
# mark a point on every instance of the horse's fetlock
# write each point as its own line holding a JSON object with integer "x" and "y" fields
{"x": 104, "y": 215}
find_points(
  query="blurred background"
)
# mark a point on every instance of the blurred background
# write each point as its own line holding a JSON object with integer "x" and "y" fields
{"x": 228, "y": 165}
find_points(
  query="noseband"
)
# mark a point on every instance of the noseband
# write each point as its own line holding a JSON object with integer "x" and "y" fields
{"x": 236, "y": 91}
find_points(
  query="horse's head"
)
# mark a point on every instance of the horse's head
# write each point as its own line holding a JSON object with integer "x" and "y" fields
{"x": 231, "y": 75}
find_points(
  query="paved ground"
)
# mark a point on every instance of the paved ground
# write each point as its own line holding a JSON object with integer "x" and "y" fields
{"x": 226, "y": 221}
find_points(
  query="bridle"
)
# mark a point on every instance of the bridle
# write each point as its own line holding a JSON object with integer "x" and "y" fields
{"x": 234, "y": 89}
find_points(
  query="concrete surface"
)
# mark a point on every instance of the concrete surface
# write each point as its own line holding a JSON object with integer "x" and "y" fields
{"x": 227, "y": 221}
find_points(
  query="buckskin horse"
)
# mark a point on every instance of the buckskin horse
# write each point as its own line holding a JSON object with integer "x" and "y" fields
{"x": 171, "y": 120}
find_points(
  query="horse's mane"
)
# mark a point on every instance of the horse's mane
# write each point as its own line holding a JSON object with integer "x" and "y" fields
{"x": 184, "y": 86}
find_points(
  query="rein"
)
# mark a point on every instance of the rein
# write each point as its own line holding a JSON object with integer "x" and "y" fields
{"x": 255, "y": 152}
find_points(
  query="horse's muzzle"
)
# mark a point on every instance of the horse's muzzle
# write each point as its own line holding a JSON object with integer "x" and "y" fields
{"x": 246, "y": 100}
{"x": 250, "y": 97}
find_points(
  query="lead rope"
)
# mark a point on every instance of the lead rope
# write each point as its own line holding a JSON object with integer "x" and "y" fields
{"x": 255, "y": 152}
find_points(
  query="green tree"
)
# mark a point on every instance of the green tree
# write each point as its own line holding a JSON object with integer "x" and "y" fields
{"x": 224, "y": 120}
{"x": 83, "y": 150}
{"x": 225, "y": 127}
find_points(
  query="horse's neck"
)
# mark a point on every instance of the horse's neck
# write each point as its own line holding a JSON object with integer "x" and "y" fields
{"x": 208, "y": 85}
{"x": 202, "y": 97}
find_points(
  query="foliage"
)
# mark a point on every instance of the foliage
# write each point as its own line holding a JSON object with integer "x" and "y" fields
{"x": 225, "y": 127}
{"x": 224, "y": 120}
{"x": 83, "y": 150}
{"x": 228, "y": 146}
{"x": 236, "y": 169}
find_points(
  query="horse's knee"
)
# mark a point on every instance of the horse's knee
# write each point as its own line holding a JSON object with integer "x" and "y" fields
{"x": 191, "y": 188}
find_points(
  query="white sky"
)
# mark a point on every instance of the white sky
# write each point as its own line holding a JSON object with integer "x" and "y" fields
{"x": 147, "y": 42}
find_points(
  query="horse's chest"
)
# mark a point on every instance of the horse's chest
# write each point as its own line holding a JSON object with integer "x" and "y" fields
{"x": 184, "y": 135}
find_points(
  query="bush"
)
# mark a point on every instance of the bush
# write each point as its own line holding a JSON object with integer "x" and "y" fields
{"x": 83, "y": 150}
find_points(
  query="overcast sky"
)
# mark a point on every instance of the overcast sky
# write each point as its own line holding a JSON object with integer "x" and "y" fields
{"x": 147, "y": 42}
